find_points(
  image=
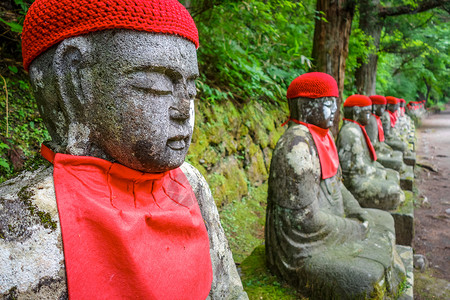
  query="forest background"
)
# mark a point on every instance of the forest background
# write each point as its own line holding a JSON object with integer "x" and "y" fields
{"x": 249, "y": 53}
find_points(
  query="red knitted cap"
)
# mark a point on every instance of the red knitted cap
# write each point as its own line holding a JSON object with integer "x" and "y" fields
{"x": 377, "y": 99}
{"x": 402, "y": 100}
{"x": 357, "y": 100}
{"x": 313, "y": 85}
{"x": 48, "y": 22}
{"x": 391, "y": 100}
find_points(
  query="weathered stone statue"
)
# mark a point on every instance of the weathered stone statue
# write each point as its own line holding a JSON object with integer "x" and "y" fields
{"x": 372, "y": 185}
{"x": 406, "y": 127}
{"x": 115, "y": 84}
{"x": 386, "y": 156}
{"x": 318, "y": 238}
{"x": 389, "y": 120}
{"x": 393, "y": 138}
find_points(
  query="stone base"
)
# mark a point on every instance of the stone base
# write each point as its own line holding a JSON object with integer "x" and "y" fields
{"x": 404, "y": 221}
{"x": 407, "y": 178}
{"x": 410, "y": 159}
{"x": 406, "y": 254}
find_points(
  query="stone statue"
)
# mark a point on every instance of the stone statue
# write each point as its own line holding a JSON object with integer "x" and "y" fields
{"x": 318, "y": 238}
{"x": 372, "y": 185}
{"x": 406, "y": 127}
{"x": 386, "y": 156}
{"x": 390, "y": 120}
{"x": 115, "y": 84}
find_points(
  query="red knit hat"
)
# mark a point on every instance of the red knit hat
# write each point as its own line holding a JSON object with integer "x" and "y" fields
{"x": 391, "y": 100}
{"x": 357, "y": 100}
{"x": 313, "y": 85}
{"x": 402, "y": 100}
{"x": 48, "y": 22}
{"x": 377, "y": 99}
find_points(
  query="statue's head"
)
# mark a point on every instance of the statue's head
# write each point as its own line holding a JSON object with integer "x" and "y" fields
{"x": 402, "y": 102}
{"x": 312, "y": 99}
{"x": 378, "y": 104}
{"x": 115, "y": 79}
{"x": 358, "y": 108}
{"x": 392, "y": 103}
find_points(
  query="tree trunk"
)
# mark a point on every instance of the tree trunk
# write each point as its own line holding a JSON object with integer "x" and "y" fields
{"x": 372, "y": 25}
{"x": 330, "y": 45}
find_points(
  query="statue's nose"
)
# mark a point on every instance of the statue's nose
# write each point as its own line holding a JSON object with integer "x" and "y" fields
{"x": 180, "y": 110}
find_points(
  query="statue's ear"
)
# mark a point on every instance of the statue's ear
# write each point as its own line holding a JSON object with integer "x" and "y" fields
{"x": 71, "y": 56}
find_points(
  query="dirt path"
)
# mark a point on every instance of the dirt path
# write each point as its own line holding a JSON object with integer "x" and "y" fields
{"x": 432, "y": 218}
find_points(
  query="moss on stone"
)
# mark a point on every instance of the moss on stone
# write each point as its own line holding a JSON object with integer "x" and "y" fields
{"x": 243, "y": 221}
{"x": 427, "y": 286}
{"x": 259, "y": 283}
{"x": 46, "y": 220}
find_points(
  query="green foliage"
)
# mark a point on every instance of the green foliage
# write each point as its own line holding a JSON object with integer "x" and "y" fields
{"x": 414, "y": 57}
{"x": 260, "y": 48}
{"x": 26, "y": 130}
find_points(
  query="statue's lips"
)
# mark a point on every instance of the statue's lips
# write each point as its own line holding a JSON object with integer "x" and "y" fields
{"x": 178, "y": 142}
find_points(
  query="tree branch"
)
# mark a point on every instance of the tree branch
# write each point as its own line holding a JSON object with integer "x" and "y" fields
{"x": 407, "y": 9}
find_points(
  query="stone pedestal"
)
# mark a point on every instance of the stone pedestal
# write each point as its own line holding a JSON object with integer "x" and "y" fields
{"x": 406, "y": 254}
{"x": 404, "y": 221}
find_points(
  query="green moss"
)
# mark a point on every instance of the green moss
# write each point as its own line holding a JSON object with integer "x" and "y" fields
{"x": 45, "y": 218}
{"x": 428, "y": 286}
{"x": 259, "y": 283}
{"x": 243, "y": 222}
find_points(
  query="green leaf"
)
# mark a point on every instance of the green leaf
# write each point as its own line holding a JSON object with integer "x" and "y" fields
{"x": 13, "y": 69}
{"x": 15, "y": 27}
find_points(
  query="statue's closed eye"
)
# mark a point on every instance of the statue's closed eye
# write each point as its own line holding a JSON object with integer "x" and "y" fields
{"x": 153, "y": 82}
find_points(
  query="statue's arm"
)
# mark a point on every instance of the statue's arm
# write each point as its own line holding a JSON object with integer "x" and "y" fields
{"x": 226, "y": 281}
{"x": 351, "y": 206}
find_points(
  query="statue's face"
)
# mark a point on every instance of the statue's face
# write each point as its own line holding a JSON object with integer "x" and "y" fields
{"x": 392, "y": 107}
{"x": 320, "y": 112}
{"x": 141, "y": 110}
{"x": 402, "y": 104}
{"x": 378, "y": 109}
{"x": 362, "y": 114}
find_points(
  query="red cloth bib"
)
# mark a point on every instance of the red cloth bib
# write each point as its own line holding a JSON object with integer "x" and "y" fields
{"x": 326, "y": 149}
{"x": 393, "y": 116}
{"x": 128, "y": 234}
{"x": 373, "y": 154}
{"x": 380, "y": 128}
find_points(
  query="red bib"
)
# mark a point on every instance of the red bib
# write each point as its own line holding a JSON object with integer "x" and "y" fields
{"x": 326, "y": 149}
{"x": 380, "y": 128}
{"x": 373, "y": 154}
{"x": 128, "y": 234}
{"x": 393, "y": 116}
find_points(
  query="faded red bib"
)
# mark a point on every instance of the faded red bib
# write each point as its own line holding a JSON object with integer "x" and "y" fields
{"x": 393, "y": 116}
{"x": 380, "y": 128}
{"x": 373, "y": 154}
{"x": 326, "y": 149}
{"x": 128, "y": 234}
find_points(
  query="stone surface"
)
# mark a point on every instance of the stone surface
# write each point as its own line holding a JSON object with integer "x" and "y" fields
{"x": 420, "y": 262}
{"x": 404, "y": 221}
{"x": 318, "y": 238}
{"x": 371, "y": 184}
{"x": 406, "y": 254}
{"x": 31, "y": 252}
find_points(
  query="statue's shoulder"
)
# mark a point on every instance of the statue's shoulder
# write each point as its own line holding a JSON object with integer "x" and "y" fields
{"x": 296, "y": 138}
{"x": 195, "y": 178}
{"x": 349, "y": 133}
{"x": 31, "y": 255}
{"x": 295, "y": 153}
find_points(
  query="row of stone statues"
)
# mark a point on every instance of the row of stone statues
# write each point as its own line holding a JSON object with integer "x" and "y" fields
{"x": 119, "y": 215}
{"x": 318, "y": 236}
